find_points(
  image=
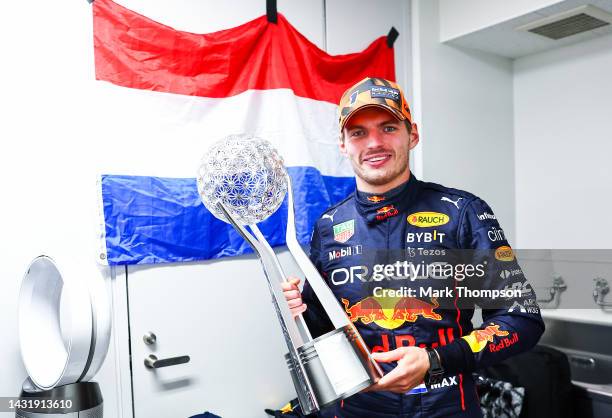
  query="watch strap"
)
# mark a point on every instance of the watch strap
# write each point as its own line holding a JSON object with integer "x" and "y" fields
{"x": 436, "y": 371}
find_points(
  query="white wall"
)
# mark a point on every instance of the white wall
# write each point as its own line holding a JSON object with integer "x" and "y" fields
{"x": 343, "y": 31}
{"x": 464, "y": 106}
{"x": 459, "y": 17}
{"x": 562, "y": 108}
{"x": 48, "y": 153}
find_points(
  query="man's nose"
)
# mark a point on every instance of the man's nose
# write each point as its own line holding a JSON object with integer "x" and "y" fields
{"x": 375, "y": 139}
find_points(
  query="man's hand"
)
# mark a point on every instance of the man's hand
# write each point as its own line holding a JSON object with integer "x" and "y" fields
{"x": 293, "y": 295}
{"x": 412, "y": 364}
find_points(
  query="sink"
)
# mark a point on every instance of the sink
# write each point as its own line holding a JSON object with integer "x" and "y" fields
{"x": 588, "y": 347}
{"x": 589, "y": 351}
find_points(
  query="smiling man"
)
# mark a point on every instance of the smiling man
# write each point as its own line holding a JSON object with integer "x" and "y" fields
{"x": 372, "y": 250}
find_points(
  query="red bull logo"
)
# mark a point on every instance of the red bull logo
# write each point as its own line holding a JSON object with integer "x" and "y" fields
{"x": 479, "y": 338}
{"x": 504, "y": 343}
{"x": 367, "y": 310}
{"x": 386, "y": 212}
{"x": 376, "y": 199}
{"x": 445, "y": 336}
{"x": 391, "y": 313}
{"x": 409, "y": 309}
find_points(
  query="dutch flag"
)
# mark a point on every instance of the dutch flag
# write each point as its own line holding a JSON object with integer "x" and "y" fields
{"x": 170, "y": 94}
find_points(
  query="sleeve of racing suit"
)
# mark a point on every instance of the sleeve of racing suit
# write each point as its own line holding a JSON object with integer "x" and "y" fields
{"x": 317, "y": 320}
{"x": 508, "y": 328}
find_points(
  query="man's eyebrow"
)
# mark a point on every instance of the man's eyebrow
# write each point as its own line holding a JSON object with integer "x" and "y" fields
{"x": 389, "y": 121}
{"x": 385, "y": 122}
{"x": 351, "y": 127}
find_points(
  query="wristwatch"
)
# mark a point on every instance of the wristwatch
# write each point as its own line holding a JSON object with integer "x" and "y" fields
{"x": 434, "y": 375}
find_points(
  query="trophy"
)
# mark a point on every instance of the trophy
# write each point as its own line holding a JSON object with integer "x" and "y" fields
{"x": 242, "y": 181}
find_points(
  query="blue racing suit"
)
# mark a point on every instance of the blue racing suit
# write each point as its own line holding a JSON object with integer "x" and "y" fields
{"x": 370, "y": 244}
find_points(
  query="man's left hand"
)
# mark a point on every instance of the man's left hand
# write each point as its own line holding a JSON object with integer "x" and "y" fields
{"x": 412, "y": 364}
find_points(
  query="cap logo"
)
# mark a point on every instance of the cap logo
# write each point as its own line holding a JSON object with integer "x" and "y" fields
{"x": 385, "y": 93}
{"x": 376, "y": 199}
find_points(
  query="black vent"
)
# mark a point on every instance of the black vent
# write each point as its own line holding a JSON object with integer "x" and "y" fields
{"x": 569, "y": 26}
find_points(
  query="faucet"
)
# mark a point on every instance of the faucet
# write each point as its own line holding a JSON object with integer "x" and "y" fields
{"x": 556, "y": 289}
{"x": 602, "y": 288}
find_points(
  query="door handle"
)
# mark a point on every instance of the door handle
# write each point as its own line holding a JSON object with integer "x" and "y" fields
{"x": 152, "y": 362}
{"x": 583, "y": 361}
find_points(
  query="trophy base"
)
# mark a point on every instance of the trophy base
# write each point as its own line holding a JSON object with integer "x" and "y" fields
{"x": 337, "y": 365}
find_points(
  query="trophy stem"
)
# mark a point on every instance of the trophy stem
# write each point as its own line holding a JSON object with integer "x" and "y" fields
{"x": 327, "y": 298}
{"x": 299, "y": 320}
{"x": 274, "y": 276}
{"x": 290, "y": 328}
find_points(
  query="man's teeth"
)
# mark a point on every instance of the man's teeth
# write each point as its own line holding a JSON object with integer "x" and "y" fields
{"x": 375, "y": 159}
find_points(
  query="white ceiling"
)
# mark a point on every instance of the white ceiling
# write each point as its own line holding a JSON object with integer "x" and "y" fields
{"x": 503, "y": 39}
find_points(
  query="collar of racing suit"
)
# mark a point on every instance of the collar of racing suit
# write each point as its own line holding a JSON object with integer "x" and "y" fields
{"x": 377, "y": 207}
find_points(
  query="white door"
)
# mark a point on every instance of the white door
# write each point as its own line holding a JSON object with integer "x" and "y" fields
{"x": 219, "y": 313}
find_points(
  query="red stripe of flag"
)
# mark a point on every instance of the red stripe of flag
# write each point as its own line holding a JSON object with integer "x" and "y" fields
{"x": 134, "y": 51}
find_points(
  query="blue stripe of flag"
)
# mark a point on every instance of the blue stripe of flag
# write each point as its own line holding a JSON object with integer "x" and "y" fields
{"x": 151, "y": 220}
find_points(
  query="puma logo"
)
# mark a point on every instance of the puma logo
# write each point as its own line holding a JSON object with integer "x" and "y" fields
{"x": 331, "y": 217}
{"x": 456, "y": 203}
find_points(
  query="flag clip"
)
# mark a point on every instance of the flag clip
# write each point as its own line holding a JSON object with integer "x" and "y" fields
{"x": 271, "y": 11}
{"x": 392, "y": 36}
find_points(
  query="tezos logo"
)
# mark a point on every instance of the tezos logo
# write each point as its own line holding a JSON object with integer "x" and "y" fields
{"x": 427, "y": 219}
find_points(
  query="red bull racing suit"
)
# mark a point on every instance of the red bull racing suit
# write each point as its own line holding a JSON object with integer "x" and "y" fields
{"x": 374, "y": 253}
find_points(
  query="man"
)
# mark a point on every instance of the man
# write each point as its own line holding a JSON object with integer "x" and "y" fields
{"x": 375, "y": 240}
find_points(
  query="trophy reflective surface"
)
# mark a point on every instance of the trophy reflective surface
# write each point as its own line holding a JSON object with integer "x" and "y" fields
{"x": 242, "y": 181}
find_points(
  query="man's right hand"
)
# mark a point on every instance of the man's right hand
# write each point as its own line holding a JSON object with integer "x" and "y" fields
{"x": 293, "y": 295}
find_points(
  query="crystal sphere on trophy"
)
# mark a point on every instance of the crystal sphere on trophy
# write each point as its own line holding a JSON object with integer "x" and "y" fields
{"x": 242, "y": 181}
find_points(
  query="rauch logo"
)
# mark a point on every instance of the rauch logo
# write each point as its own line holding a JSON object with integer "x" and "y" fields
{"x": 427, "y": 219}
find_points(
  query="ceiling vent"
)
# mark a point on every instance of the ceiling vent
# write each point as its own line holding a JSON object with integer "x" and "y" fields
{"x": 568, "y": 23}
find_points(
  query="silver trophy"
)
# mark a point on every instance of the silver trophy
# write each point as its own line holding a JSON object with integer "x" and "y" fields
{"x": 242, "y": 181}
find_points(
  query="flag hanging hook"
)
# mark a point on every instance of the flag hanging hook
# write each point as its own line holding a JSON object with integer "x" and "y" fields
{"x": 392, "y": 36}
{"x": 271, "y": 11}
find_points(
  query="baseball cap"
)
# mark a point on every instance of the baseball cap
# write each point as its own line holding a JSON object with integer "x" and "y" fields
{"x": 373, "y": 92}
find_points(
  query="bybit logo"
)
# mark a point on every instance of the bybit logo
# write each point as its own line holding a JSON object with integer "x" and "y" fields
{"x": 420, "y": 237}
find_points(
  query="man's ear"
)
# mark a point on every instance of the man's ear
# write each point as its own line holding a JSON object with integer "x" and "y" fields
{"x": 341, "y": 144}
{"x": 414, "y": 136}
